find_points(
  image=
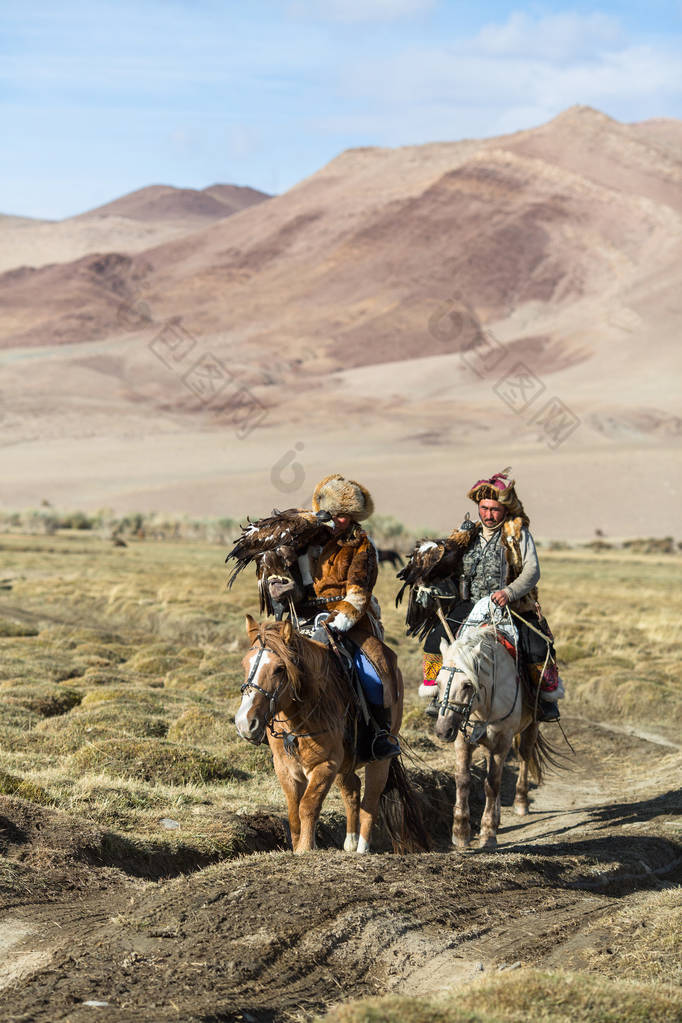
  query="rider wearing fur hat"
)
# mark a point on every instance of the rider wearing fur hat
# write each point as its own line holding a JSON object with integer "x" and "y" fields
{"x": 499, "y": 560}
{"x": 340, "y": 578}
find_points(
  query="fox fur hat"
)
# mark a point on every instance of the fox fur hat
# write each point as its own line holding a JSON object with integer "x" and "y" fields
{"x": 502, "y": 488}
{"x": 339, "y": 496}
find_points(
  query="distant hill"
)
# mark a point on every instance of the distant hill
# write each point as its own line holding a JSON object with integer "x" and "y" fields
{"x": 163, "y": 202}
{"x": 137, "y": 221}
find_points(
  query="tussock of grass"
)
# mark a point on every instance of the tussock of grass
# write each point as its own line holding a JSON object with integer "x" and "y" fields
{"x": 102, "y": 722}
{"x": 37, "y": 665}
{"x": 642, "y": 941}
{"x": 11, "y": 628}
{"x": 103, "y": 677}
{"x": 153, "y": 664}
{"x": 135, "y": 699}
{"x": 10, "y": 785}
{"x": 199, "y": 727}
{"x": 522, "y": 996}
{"x": 154, "y": 760}
{"x": 42, "y": 700}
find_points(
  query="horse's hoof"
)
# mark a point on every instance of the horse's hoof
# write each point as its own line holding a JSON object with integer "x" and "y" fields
{"x": 351, "y": 844}
{"x": 487, "y": 842}
{"x": 521, "y": 809}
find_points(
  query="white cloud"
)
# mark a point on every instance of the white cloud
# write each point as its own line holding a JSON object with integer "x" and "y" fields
{"x": 556, "y": 37}
{"x": 243, "y": 141}
{"x": 358, "y": 10}
{"x": 527, "y": 65}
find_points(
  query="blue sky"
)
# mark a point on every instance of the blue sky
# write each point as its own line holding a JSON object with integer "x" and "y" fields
{"x": 99, "y": 98}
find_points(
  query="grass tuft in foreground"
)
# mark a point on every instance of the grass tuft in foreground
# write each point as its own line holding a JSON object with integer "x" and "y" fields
{"x": 522, "y": 996}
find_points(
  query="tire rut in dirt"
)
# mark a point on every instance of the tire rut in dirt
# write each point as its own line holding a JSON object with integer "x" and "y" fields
{"x": 272, "y": 934}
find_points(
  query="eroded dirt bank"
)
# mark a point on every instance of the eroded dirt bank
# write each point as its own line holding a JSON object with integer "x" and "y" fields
{"x": 269, "y": 936}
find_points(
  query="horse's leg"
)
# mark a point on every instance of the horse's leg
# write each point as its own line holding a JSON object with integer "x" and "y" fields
{"x": 350, "y": 790}
{"x": 293, "y": 789}
{"x": 376, "y": 775}
{"x": 320, "y": 781}
{"x": 526, "y": 744}
{"x": 490, "y": 821}
{"x": 461, "y": 827}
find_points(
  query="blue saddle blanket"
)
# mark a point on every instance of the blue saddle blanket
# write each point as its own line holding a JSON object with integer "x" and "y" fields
{"x": 369, "y": 679}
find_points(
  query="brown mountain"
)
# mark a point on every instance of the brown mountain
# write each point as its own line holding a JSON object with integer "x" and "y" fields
{"x": 133, "y": 223}
{"x": 163, "y": 202}
{"x": 397, "y": 291}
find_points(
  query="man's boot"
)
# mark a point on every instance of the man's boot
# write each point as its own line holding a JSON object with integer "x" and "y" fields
{"x": 547, "y": 710}
{"x": 431, "y": 709}
{"x": 384, "y": 744}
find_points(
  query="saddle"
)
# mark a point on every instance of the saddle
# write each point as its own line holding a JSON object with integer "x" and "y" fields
{"x": 360, "y": 727}
{"x": 507, "y": 644}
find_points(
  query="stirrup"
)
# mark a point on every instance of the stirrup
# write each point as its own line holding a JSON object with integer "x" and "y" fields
{"x": 548, "y": 710}
{"x": 384, "y": 746}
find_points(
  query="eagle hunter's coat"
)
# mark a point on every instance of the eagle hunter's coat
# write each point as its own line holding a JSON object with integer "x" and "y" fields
{"x": 343, "y": 567}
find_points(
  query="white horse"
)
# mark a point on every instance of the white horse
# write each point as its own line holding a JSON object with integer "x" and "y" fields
{"x": 482, "y": 703}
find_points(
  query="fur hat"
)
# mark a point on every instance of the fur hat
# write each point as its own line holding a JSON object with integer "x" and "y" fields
{"x": 339, "y": 496}
{"x": 501, "y": 488}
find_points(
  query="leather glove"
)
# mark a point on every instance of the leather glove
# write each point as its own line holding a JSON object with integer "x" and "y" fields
{"x": 425, "y": 596}
{"x": 280, "y": 589}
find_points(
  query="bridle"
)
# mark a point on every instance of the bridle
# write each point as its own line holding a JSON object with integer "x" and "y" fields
{"x": 273, "y": 697}
{"x": 462, "y": 710}
{"x": 288, "y": 738}
{"x": 471, "y": 730}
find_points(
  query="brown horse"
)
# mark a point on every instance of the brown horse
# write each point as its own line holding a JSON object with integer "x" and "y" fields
{"x": 482, "y": 703}
{"x": 295, "y": 694}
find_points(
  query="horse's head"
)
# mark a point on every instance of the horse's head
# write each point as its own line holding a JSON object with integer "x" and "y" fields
{"x": 458, "y": 688}
{"x": 271, "y": 678}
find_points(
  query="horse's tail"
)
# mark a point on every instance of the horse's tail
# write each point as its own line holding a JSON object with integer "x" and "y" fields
{"x": 543, "y": 754}
{"x": 401, "y": 812}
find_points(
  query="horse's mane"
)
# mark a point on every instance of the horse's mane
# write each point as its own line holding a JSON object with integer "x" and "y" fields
{"x": 311, "y": 670}
{"x": 473, "y": 650}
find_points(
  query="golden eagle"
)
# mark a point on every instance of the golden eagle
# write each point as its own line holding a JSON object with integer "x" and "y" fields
{"x": 431, "y": 575}
{"x": 274, "y": 544}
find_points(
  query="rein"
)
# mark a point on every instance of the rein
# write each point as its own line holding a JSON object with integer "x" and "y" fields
{"x": 472, "y": 731}
{"x": 289, "y": 738}
{"x": 272, "y": 696}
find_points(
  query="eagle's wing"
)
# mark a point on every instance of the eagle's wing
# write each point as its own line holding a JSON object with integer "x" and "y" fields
{"x": 280, "y": 537}
{"x": 430, "y": 565}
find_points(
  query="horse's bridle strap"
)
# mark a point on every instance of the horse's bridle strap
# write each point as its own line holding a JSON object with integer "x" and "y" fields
{"x": 250, "y": 684}
{"x": 445, "y": 704}
{"x": 272, "y": 697}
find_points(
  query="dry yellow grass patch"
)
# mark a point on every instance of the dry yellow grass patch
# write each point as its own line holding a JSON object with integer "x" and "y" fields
{"x": 522, "y": 996}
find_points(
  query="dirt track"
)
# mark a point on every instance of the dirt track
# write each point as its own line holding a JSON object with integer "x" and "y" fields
{"x": 269, "y": 936}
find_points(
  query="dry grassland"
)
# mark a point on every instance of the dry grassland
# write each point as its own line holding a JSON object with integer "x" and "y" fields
{"x": 120, "y": 671}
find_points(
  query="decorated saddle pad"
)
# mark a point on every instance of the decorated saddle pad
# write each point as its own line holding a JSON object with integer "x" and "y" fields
{"x": 484, "y": 612}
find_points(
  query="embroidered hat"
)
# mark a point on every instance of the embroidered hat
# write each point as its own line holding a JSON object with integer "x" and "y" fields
{"x": 493, "y": 488}
{"x": 500, "y": 487}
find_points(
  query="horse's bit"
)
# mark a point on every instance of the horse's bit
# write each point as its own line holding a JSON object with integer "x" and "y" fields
{"x": 463, "y": 710}
{"x": 273, "y": 697}
{"x": 471, "y": 730}
{"x": 288, "y": 738}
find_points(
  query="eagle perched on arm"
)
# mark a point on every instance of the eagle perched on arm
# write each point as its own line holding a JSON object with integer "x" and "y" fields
{"x": 274, "y": 545}
{"x": 428, "y": 573}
